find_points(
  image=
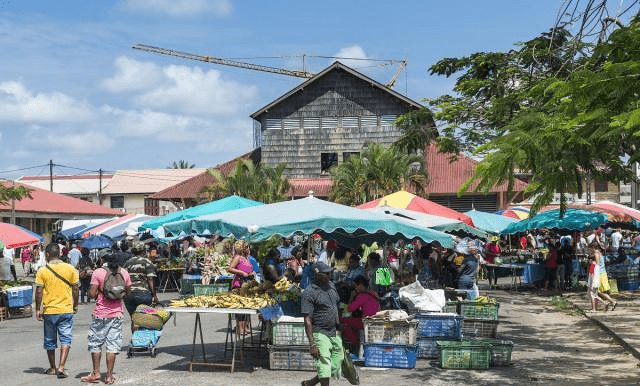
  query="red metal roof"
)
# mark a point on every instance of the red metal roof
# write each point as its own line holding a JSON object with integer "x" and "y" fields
{"x": 447, "y": 177}
{"x": 300, "y": 187}
{"x": 45, "y": 201}
{"x": 189, "y": 188}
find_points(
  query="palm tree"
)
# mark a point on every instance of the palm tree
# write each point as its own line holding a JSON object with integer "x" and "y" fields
{"x": 256, "y": 182}
{"x": 376, "y": 172}
{"x": 181, "y": 165}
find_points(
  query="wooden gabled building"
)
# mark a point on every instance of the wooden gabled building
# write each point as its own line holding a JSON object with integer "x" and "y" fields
{"x": 323, "y": 121}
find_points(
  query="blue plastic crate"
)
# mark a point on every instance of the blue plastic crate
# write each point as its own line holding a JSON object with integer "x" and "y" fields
{"x": 390, "y": 355}
{"x": 20, "y": 296}
{"x": 427, "y": 348}
{"x": 439, "y": 325}
{"x": 623, "y": 285}
{"x": 271, "y": 312}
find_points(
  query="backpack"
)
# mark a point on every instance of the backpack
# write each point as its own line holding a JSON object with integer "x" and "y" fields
{"x": 114, "y": 285}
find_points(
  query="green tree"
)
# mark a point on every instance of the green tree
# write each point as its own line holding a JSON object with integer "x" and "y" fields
{"x": 182, "y": 164}
{"x": 418, "y": 130}
{"x": 376, "y": 172}
{"x": 256, "y": 182}
{"x": 8, "y": 193}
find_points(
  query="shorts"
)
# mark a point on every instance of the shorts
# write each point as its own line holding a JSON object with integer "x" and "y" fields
{"x": 329, "y": 362}
{"x": 105, "y": 332}
{"x": 57, "y": 326}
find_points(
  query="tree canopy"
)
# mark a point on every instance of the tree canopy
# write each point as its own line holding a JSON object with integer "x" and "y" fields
{"x": 376, "y": 172}
{"x": 182, "y": 164}
{"x": 557, "y": 107}
{"x": 8, "y": 193}
{"x": 256, "y": 182}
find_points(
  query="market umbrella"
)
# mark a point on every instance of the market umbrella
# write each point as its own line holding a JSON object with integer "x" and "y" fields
{"x": 15, "y": 236}
{"x": 635, "y": 213}
{"x": 132, "y": 224}
{"x": 406, "y": 200}
{"x": 104, "y": 226}
{"x": 96, "y": 242}
{"x": 349, "y": 226}
{"x": 490, "y": 222}
{"x": 439, "y": 223}
{"x": 574, "y": 219}
{"x": 514, "y": 213}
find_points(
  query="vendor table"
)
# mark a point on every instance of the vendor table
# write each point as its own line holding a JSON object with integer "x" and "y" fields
{"x": 519, "y": 273}
{"x": 197, "y": 329}
{"x": 169, "y": 278}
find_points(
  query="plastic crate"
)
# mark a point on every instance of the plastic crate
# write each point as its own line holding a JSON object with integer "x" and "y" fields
{"x": 466, "y": 354}
{"x": 479, "y": 328}
{"x": 439, "y": 325}
{"x": 20, "y": 296}
{"x": 451, "y": 308}
{"x": 478, "y": 310}
{"x": 398, "y": 356}
{"x": 500, "y": 351}
{"x": 290, "y": 358}
{"x": 186, "y": 286}
{"x": 396, "y": 332}
{"x": 288, "y": 334}
{"x": 628, "y": 285}
{"x": 427, "y": 348}
{"x": 210, "y": 289}
{"x": 20, "y": 312}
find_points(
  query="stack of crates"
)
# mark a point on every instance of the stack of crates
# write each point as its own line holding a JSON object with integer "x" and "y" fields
{"x": 626, "y": 276}
{"x": 480, "y": 319}
{"x": 19, "y": 301}
{"x": 289, "y": 349}
{"x": 390, "y": 343}
{"x": 436, "y": 326}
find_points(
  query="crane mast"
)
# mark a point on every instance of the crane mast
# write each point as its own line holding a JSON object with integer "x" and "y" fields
{"x": 225, "y": 62}
{"x": 249, "y": 66}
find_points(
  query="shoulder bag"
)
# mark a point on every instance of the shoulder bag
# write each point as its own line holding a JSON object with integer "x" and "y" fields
{"x": 58, "y": 276}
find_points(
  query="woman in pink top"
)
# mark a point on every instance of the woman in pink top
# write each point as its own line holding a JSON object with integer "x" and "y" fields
{"x": 364, "y": 300}
{"x": 243, "y": 270}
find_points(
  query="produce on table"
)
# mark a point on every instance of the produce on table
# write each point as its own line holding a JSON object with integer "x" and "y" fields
{"x": 15, "y": 283}
{"x": 225, "y": 300}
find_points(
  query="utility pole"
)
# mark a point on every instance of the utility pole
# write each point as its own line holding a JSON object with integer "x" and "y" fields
{"x": 13, "y": 205}
{"x": 100, "y": 187}
{"x": 51, "y": 175}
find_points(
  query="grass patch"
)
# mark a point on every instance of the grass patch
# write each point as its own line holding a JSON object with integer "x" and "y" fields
{"x": 560, "y": 303}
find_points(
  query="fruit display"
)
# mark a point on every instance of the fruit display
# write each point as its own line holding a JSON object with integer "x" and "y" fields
{"x": 15, "y": 283}
{"x": 225, "y": 300}
{"x": 484, "y": 299}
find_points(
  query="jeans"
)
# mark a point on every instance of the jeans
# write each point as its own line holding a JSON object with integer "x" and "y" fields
{"x": 57, "y": 326}
{"x": 84, "y": 288}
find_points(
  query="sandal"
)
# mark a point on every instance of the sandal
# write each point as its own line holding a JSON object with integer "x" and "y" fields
{"x": 614, "y": 306}
{"x": 110, "y": 381}
{"x": 91, "y": 378}
{"x": 62, "y": 374}
{"x": 51, "y": 371}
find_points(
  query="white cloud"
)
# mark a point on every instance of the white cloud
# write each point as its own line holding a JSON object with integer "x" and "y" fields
{"x": 192, "y": 91}
{"x": 21, "y": 105}
{"x": 355, "y": 55}
{"x": 133, "y": 75}
{"x": 182, "y": 8}
{"x": 80, "y": 142}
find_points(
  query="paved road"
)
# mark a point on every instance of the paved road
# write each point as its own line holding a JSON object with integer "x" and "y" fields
{"x": 551, "y": 347}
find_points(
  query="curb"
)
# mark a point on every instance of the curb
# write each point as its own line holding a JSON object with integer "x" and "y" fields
{"x": 615, "y": 336}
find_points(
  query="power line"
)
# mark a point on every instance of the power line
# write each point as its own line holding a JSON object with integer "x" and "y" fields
{"x": 27, "y": 168}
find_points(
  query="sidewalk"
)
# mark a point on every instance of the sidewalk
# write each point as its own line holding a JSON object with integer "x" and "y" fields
{"x": 622, "y": 323}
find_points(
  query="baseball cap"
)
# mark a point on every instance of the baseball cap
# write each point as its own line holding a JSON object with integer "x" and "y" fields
{"x": 321, "y": 267}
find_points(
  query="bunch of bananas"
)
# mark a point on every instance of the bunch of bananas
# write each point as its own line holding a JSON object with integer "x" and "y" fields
{"x": 485, "y": 299}
{"x": 225, "y": 300}
{"x": 283, "y": 284}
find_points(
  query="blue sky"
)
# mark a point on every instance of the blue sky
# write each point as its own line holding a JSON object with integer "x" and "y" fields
{"x": 72, "y": 90}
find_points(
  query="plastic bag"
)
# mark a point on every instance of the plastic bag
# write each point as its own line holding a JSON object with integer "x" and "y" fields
{"x": 349, "y": 370}
{"x": 383, "y": 276}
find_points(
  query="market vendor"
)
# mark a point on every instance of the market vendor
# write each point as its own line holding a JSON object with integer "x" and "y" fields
{"x": 491, "y": 251}
{"x": 243, "y": 271}
{"x": 364, "y": 302}
{"x": 273, "y": 268}
{"x": 468, "y": 270}
{"x": 7, "y": 267}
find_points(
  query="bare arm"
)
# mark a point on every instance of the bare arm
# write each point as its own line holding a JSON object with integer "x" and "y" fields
{"x": 308, "y": 328}
{"x": 93, "y": 291}
{"x": 39, "y": 303}
{"x": 75, "y": 292}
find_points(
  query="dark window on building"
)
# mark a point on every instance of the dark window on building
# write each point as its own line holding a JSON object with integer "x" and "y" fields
{"x": 327, "y": 161}
{"x": 600, "y": 186}
{"x": 347, "y": 154}
{"x": 117, "y": 202}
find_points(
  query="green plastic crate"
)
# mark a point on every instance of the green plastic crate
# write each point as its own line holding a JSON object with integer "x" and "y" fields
{"x": 478, "y": 310}
{"x": 500, "y": 351}
{"x": 466, "y": 354}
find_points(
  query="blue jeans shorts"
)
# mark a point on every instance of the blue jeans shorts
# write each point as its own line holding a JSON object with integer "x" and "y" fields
{"x": 57, "y": 326}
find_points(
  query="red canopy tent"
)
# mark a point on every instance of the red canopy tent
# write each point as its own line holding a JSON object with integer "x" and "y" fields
{"x": 406, "y": 200}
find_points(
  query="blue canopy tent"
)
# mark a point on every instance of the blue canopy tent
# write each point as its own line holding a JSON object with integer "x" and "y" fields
{"x": 349, "y": 226}
{"x": 490, "y": 222}
{"x": 573, "y": 219}
{"x": 97, "y": 242}
{"x": 222, "y": 205}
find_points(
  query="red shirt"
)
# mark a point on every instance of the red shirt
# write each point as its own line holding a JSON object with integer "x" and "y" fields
{"x": 368, "y": 301}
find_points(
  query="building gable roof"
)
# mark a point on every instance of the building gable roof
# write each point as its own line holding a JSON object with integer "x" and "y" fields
{"x": 336, "y": 65}
{"x": 44, "y": 201}
{"x": 78, "y": 185}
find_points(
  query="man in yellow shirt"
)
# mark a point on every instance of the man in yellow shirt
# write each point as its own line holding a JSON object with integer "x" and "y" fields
{"x": 56, "y": 301}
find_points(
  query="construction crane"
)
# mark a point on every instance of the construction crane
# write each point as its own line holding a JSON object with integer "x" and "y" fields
{"x": 249, "y": 66}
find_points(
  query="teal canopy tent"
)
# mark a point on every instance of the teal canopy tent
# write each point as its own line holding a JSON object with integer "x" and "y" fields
{"x": 222, "y": 205}
{"x": 490, "y": 222}
{"x": 349, "y": 226}
{"x": 573, "y": 219}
